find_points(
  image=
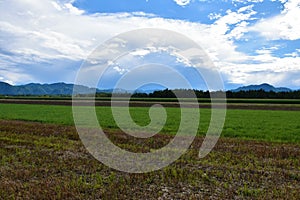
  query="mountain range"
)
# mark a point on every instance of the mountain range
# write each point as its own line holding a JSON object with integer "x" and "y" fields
{"x": 67, "y": 89}
{"x": 266, "y": 87}
{"x": 44, "y": 89}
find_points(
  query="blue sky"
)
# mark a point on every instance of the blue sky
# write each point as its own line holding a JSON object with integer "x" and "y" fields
{"x": 249, "y": 41}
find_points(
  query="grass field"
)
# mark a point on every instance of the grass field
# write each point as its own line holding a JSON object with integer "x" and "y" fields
{"x": 266, "y": 125}
{"x": 42, "y": 157}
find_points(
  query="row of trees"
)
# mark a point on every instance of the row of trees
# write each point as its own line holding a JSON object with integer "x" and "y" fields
{"x": 183, "y": 93}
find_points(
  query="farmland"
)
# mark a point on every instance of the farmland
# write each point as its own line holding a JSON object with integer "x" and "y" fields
{"x": 42, "y": 157}
{"x": 267, "y": 125}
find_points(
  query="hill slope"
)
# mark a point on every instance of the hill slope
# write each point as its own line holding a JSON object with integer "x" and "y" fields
{"x": 266, "y": 87}
{"x": 43, "y": 89}
{"x": 67, "y": 89}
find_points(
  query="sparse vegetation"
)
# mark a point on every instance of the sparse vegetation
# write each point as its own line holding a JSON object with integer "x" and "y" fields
{"x": 44, "y": 161}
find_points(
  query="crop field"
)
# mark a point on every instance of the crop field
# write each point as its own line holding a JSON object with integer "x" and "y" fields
{"x": 42, "y": 157}
{"x": 266, "y": 125}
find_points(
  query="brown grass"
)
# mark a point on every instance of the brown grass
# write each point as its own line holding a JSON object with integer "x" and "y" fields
{"x": 43, "y": 161}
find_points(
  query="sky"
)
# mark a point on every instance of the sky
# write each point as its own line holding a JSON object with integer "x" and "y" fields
{"x": 248, "y": 41}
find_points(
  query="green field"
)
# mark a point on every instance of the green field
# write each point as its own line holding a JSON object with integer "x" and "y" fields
{"x": 42, "y": 157}
{"x": 266, "y": 125}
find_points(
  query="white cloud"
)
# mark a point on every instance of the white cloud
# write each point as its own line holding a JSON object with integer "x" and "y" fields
{"x": 73, "y": 10}
{"x": 140, "y": 52}
{"x": 41, "y": 32}
{"x": 67, "y": 6}
{"x": 284, "y": 26}
{"x": 12, "y": 75}
{"x": 120, "y": 70}
{"x": 213, "y": 16}
{"x": 35, "y": 32}
{"x": 239, "y": 30}
{"x": 247, "y": 1}
{"x": 263, "y": 68}
{"x": 239, "y": 18}
{"x": 182, "y": 2}
{"x": 294, "y": 54}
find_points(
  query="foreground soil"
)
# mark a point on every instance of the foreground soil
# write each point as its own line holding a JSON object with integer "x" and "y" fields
{"x": 43, "y": 161}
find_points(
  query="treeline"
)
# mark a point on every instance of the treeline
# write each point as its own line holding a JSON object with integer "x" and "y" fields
{"x": 184, "y": 93}
{"x": 261, "y": 94}
{"x": 181, "y": 93}
{"x": 167, "y": 93}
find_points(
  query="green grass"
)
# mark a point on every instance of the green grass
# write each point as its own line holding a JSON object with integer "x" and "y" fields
{"x": 266, "y": 125}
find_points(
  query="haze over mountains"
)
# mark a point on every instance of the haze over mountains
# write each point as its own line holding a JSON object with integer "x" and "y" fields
{"x": 266, "y": 87}
{"x": 67, "y": 89}
{"x": 42, "y": 89}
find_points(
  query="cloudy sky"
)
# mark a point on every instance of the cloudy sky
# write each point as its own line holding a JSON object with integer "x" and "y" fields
{"x": 249, "y": 41}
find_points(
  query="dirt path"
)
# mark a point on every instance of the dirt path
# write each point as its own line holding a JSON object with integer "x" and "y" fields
{"x": 249, "y": 106}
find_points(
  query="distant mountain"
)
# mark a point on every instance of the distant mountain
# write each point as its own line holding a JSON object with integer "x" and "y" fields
{"x": 67, "y": 89}
{"x": 5, "y": 88}
{"x": 150, "y": 88}
{"x": 266, "y": 87}
{"x": 44, "y": 89}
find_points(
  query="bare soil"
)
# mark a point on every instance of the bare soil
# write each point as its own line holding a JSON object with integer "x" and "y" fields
{"x": 46, "y": 161}
{"x": 249, "y": 106}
